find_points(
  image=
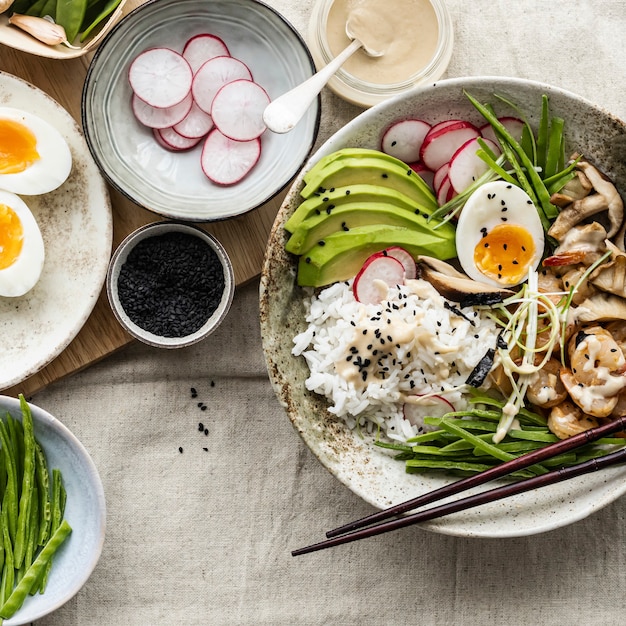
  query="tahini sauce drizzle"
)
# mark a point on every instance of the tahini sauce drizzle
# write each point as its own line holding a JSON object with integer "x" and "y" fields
{"x": 407, "y": 31}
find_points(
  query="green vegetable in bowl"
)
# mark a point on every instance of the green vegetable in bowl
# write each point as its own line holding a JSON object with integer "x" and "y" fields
{"x": 32, "y": 527}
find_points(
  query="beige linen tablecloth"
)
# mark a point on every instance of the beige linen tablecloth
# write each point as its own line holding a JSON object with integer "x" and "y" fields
{"x": 204, "y": 536}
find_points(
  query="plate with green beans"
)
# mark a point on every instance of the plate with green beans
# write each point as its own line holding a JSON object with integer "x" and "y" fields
{"x": 52, "y": 518}
{"x": 85, "y": 23}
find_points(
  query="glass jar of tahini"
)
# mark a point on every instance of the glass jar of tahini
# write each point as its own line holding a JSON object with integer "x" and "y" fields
{"x": 418, "y": 38}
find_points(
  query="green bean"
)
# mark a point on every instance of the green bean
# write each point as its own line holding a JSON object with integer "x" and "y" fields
{"x": 70, "y": 14}
{"x": 8, "y": 572}
{"x": 106, "y": 10}
{"x": 30, "y": 578}
{"x": 43, "y": 488}
{"x": 28, "y": 479}
{"x": 9, "y": 500}
{"x": 58, "y": 506}
{"x": 542, "y": 133}
{"x": 33, "y": 532}
{"x": 545, "y": 437}
{"x": 555, "y": 147}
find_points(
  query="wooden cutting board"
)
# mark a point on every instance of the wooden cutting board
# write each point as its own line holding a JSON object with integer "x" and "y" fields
{"x": 243, "y": 237}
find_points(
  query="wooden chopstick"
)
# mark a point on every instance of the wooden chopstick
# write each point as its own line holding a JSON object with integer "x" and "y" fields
{"x": 375, "y": 524}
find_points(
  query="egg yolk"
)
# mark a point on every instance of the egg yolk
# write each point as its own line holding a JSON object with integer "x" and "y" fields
{"x": 11, "y": 236}
{"x": 18, "y": 147}
{"x": 505, "y": 253}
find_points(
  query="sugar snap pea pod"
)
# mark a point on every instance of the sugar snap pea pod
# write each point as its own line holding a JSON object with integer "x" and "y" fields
{"x": 36, "y": 8}
{"x": 33, "y": 531}
{"x": 108, "y": 8}
{"x": 28, "y": 479}
{"x": 16, "y": 599}
{"x": 43, "y": 490}
{"x": 49, "y": 8}
{"x": 70, "y": 14}
{"x": 21, "y": 6}
{"x": 9, "y": 500}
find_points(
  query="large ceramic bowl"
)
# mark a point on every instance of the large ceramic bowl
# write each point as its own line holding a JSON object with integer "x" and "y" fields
{"x": 367, "y": 471}
{"x": 85, "y": 511}
{"x": 173, "y": 184}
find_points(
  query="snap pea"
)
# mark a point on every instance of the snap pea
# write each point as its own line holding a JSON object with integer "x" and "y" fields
{"x": 70, "y": 14}
{"x": 49, "y": 8}
{"x": 21, "y": 6}
{"x": 36, "y": 8}
{"x": 8, "y": 571}
{"x": 58, "y": 508}
{"x": 15, "y": 601}
{"x": 91, "y": 23}
{"x": 43, "y": 487}
{"x": 28, "y": 476}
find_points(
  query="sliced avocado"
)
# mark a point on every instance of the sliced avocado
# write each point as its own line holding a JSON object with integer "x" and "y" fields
{"x": 371, "y": 170}
{"x": 322, "y": 203}
{"x": 347, "y": 153}
{"x": 341, "y": 255}
{"x": 354, "y": 214}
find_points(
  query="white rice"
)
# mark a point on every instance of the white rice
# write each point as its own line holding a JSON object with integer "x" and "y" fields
{"x": 439, "y": 349}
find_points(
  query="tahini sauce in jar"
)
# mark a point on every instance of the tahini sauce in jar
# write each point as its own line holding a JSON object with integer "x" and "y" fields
{"x": 406, "y": 30}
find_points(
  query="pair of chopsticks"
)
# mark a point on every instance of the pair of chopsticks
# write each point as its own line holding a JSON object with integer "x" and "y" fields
{"x": 388, "y": 520}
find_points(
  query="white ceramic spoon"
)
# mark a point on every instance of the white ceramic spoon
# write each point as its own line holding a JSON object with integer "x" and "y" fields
{"x": 283, "y": 113}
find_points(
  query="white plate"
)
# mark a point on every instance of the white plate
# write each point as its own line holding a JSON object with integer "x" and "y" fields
{"x": 85, "y": 511}
{"x": 173, "y": 184}
{"x": 77, "y": 227}
{"x": 366, "y": 470}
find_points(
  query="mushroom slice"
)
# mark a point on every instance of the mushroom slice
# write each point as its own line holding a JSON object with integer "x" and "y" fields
{"x": 605, "y": 198}
{"x": 599, "y": 308}
{"x": 611, "y": 276}
{"x": 458, "y": 287}
{"x": 575, "y": 189}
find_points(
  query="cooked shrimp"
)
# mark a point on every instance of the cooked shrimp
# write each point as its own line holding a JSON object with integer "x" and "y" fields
{"x": 597, "y": 371}
{"x": 566, "y": 420}
{"x": 545, "y": 388}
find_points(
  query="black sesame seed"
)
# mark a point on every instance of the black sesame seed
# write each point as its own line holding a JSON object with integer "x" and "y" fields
{"x": 385, "y": 176}
{"x": 200, "y": 426}
{"x": 180, "y": 449}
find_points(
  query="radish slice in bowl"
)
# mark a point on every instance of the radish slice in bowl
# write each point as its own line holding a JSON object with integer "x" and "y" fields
{"x": 202, "y": 48}
{"x": 405, "y": 257}
{"x": 441, "y": 143}
{"x": 377, "y": 274}
{"x": 213, "y": 75}
{"x": 161, "y": 77}
{"x": 196, "y": 124}
{"x": 237, "y": 110}
{"x": 403, "y": 139}
{"x": 226, "y": 161}
{"x": 154, "y": 117}
{"x": 466, "y": 166}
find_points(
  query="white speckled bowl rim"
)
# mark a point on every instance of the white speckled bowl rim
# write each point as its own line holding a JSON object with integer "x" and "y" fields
{"x": 173, "y": 184}
{"x": 76, "y": 223}
{"x": 85, "y": 511}
{"x": 367, "y": 471}
{"x": 119, "y": 258}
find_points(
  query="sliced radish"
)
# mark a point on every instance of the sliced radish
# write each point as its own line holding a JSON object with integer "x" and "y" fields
{"x": 513, "y": 124}
{"x": 406, "y": 258}
{"x": 154, "y": 117}
{"x": 439, "y": 146}
{"x": 403, "y": 139}
{"x": 201, "y": 48}
{"x": 238, "y": 110}
{"x": 170, "y": 139}
{"x": 377, "y": 274}
{"x": 439, "y": 126}
{"x": 226, "y": 161}
{"x": 195, "y": 125}
{"x": 213, "y": 75}
{"x": 439, "y": 175}
{"x": 161, "y": 77}
{"x": 424, "y": 173}
{"x": 466, "y": 166}
{"x": 432, "y": 406}
{"x": 446, "y": 191}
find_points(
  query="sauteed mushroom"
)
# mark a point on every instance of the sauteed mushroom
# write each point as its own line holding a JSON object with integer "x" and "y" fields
{"x": 605, "y": 197}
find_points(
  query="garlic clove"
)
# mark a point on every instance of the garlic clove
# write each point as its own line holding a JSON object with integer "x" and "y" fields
{"x": 42, "y": 29}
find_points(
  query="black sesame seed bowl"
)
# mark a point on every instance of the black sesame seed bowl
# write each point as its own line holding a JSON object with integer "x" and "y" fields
{"x": 170, "y": 284}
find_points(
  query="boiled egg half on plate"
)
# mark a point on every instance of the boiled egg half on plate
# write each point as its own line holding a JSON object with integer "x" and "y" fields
{"x": 34, "y": 159}
{"x": 499, "y": 235}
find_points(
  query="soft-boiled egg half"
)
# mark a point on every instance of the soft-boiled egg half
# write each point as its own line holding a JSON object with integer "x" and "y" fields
{"x": 34, "y": 156}
{"x": 499, "y": 236}
{"x": 21, "y": 247}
